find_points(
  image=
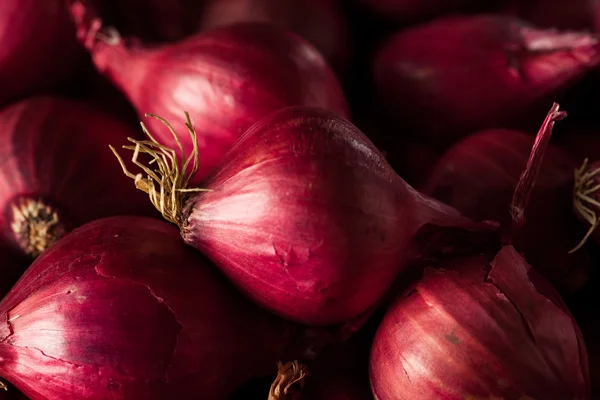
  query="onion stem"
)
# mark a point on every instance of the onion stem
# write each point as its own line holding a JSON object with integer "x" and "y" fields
{"x": 168, "y": 183}
{"x": 289, "y": 381}
{"x": 584, "y": 187}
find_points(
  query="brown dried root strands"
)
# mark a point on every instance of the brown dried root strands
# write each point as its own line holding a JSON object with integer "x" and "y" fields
{"x": 289, "y": 381}
{"x": 168, "y": 182}
{"x": 585, "y": 186}
{"x": 35, "y": 225}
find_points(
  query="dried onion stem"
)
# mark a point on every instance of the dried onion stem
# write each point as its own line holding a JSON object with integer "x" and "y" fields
{"x": 167, "y": 184}
{"x": 289, "y": 381}
{"x": 585, "y": 186}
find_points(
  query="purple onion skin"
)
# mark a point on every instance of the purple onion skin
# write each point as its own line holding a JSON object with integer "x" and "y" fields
{"x": 477, "y": 330}
{"x": 478, "y": 175}
{"x": 321, "y": 22}
{"x": 477, "y": 72}
{"x": 38, "y": 47}
{"x": 121, "y": 308}
{"x": 56, "y": 150}
{"x": 308, "y": 219}
{"x": 227, "y": 79}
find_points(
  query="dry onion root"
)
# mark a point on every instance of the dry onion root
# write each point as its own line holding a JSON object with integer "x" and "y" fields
{"x": 585, "y": 198}
{"x": 289, "y": 381}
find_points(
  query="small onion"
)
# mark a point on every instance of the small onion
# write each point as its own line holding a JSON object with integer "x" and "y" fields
{"x": 38, "y": 50}
{"x": 227, "y": 78}
{"x": 456, "y": 75}
{"x": 57, "y": 171}
{"x": 304, "y": 215}
{"x": 474, "y": 329}
{"x": 120, "y": 308}
{"x": 321, "y": 22}
{"x": 478, "y": 175}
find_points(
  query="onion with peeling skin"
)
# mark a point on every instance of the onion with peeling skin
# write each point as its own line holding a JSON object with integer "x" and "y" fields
{"x": 57, "y": 172}
{"x": 227, "y": 78}
{"x": 477, "y": 72}
{"x": 120, "y": 308}
{"x": 304, "y": 215}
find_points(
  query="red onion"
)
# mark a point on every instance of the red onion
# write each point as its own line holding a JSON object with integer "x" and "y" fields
{"x": 321, "y": 22}
{"x": 227, "y": 78}
{"x": 456, "y": 75}
{"x": 57, "y": 171}
{"x": 560, "y": 14}
{"x": 304, "y": 215}
{"x": 38, "y": 51}
{"x": 412, "y": 10}
{"x": 121, "y": 308}
{"x": 474, "y": 329}
{"x": 478, "y": 329}
{"x": 478, "y": 175}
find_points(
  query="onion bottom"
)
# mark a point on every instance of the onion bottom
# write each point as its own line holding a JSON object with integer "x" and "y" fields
{"x": 35, "y": 225}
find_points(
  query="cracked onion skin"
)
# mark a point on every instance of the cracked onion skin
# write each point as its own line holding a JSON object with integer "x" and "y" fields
{"x": 227, "y": 78}
{"x": 308, "y": 219}
{"x": 477, "y": 72}
{"x": 122, "y": 309}
{"x": 472, "y": 329}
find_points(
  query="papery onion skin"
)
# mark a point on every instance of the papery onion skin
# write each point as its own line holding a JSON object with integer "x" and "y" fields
{"x": 226, "y": 78}
{"x": 477, "y": 72}
{"x": 55, "y": 154}
{"x": 308, "y": 219}
{"x": 121, "y": 308}
{"x": 321, "y": 22}
{"x": 471, "y": 329}
{"x": 478, "y": 175}
{"x": 38, "y": 50}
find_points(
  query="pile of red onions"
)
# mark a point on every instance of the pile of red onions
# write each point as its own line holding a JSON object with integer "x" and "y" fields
{"x": 57, "y": 171}
{"x": 304, "y": 214}
{"x": 227, "y": 78}
{"x": 478, "y": 176}
{"x": 121, "y": 308}
{"x": 38, "y": 48}
{"x": 483, "y": 327}
{"x": 452, "y": 76}
{"x": 321, "y": 22}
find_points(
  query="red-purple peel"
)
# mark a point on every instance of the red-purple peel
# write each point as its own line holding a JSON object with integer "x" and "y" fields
{"x": 304, "y": 214}
{"x": 57, "y": 171}
{"x": 453, "y": 76}
{"x": 121, "y": 309}
{"x": 227, "y": 78}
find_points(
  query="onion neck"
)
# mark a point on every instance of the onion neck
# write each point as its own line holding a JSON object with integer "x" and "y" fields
{"x": 289, "y": 381}
{"x": 35, "y": 225}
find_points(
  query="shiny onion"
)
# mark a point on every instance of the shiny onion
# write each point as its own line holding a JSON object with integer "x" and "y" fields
{"x": 121, "y": 308}
{"x": 57, "y": 171}
{"x": 304, "y": 214}
{"x": 478, "y": 175}
{"x": 472, "y": 328}
{"x": 227, "y": 78}
{"x": 483, "y": 327}
{"x": 38, "y": 50}
{"x": 477, "y": 72}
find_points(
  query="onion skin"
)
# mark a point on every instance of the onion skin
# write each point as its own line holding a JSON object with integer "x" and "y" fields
{"x": 55, "y": 152}
{"x": 121, "y": 308}
{"x": 321, "y": 22}
{"x": 478, "y": 175}
{"x": 226, "y": 78}
{"x": 419, "y": 75}
{"x": 38, "y": 48}
{"x": 476, "y": 330}
{"x": 308, "y": 219}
